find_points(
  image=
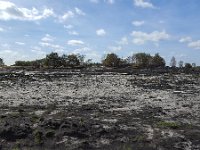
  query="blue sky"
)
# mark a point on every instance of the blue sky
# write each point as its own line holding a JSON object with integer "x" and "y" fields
{"x": 30, "y": 29}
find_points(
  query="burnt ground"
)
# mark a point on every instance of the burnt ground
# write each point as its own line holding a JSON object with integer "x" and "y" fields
{"x": 104, "y": 112}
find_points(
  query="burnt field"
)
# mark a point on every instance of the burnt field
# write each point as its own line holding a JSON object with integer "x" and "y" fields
{"x": 109, "y": 111}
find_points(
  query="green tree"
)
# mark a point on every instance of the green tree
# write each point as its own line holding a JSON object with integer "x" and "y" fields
{"x": 157, "y": 61}
{"x": 22, "y": 63}
{"x": 81, "y": 59}
{"x": 188, "y": 66}
{"x": 53, "y": 60}
{"x": 88, "y": 63}
{"x": 111, "y": 60}
{"x": 38, "y": 63}
{"x": 1, "y": 62}
{"x": 35, "y": 63}
{"x": 72, "y": 60}
{"x": 142, "y": 60}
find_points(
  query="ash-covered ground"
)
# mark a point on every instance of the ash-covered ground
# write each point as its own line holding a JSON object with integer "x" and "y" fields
{"x": 104, "y": 112}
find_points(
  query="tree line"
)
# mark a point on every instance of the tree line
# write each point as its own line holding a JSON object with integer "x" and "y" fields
{"x": 138, "y": 61}
{"x": 53, "y": 60}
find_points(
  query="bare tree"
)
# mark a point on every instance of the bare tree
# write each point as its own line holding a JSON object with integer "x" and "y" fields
{"x": 173, "y": 62}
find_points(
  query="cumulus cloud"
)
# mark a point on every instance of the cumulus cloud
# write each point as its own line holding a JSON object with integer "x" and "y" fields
{"x": 73, "y": 33}
{"x": 52, "y": 46}
{"x": 19, "y": 43}
{"x": 143, "y": 4}
{"x": 194, "y": 44}
{"x": 190, "y": 42}
{"x": 82, "y": 50}
{"x": 71, "y": 14}
{"x": 67, "y": 15}
{"x": 70, "y": 31}
{"x": 79, "y": 12}
{"x": 142, "y": 37}
{"x": 48, "y": 38}
{"x": 185, "y": 39}
{"x": 9, "y": 11}
{"x": 68, "y": 26}
{"x": 36, "y": 48}
{"x": 75, "y": 42}
{"x": 115, "y": 48}
{"x": 1, "y": 29}
{"x": 38, "y": 51}
{"x": 101, "y": 32}
{"x": 123, "y": 41}
{"x": 138, "y": 23}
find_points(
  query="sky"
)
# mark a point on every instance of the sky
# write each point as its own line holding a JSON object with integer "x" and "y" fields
{"x": 30, "y": 29}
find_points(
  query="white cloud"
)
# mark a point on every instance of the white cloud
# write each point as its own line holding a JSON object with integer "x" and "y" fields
{"x": 53, "y": 46}
{"x": 79, "y": 12}
{"x": 138, "y": 23}
{"x": 6, "y": 4}
{"x": 194, "y": 44}
{"x": 123, "y": 41}
{"x": 142, "y": 37}
{"x": 1, "y": 29}
{"x": 38, "y": 51}
{"x": 82, "y": 50}
{"x": 68, "y": 26}
{"x": 48, "y": 38}
{"x": 67, "y": 15}
{"x": 9, "y": 11}
{"x": 73, "y": 33}
{"x": 36, "y": 48}
{"x": 71, "y": 14}
{"x": 19, "y": 43}
{"x": 101, "y": 32}
{"x": 185, "y": 39}
{"x": 115, "y": 48}
{"x": 143, "y": 4}
{"x": 75, "y": 42}
{"x": 70, "y": 31}
{"x": 190, "y": 42}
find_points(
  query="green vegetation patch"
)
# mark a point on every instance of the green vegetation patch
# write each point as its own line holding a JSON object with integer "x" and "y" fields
{"x": 165, "y": 124}
{"x": 38, "y": 137}
{"x": 139, "y": 138}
